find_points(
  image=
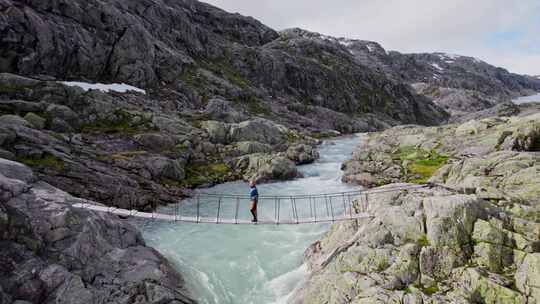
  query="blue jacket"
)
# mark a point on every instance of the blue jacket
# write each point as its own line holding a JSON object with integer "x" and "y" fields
{"x": 254, "y": 194}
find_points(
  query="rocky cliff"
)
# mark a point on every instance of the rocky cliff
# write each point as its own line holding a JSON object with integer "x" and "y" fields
{"x": 53, "y": 253}
{"x": 471, "y": 237}
{"x": 224, "y": 95}
{"x": 459, "y": 84}
{"x": 190, "y": 52}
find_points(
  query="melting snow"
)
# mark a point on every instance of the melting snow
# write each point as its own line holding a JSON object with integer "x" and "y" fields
{"x": 115, "y": 87}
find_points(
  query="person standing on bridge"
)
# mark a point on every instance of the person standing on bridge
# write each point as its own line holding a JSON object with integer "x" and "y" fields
{"x": 254, "y": 199}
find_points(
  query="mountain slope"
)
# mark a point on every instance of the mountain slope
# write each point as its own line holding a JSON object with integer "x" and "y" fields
{"x": 457, "y": 83}
{"x": 196, "y": 51}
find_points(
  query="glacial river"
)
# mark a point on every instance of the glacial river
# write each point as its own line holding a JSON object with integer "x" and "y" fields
{"x": 240, "y": 264}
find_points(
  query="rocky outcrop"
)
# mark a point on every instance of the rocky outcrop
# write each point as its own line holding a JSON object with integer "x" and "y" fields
{"x": 54, "y": 253}
{"x": 471, "y": 236}
{"x": 426, "y": 246}
{"x": 459, "y": 84}
{"x": 413, "y": 153}
{"x": 204, "y": 62}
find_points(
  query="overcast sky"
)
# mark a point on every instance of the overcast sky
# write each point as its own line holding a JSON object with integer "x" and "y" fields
{"x": 501, "y": 32}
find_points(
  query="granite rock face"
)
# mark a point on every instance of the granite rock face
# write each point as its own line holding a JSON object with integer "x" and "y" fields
{"x": 196, "y": 53}
{"x": 472, "y": 235}
{"x": 54, "y": 253}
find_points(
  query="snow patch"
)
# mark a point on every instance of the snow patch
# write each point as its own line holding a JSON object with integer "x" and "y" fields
{"x": 477, "y": 60}
{"x": 437, "y": 66}
{"x": 449, "y": 58}
{"x": 114, "y": 87}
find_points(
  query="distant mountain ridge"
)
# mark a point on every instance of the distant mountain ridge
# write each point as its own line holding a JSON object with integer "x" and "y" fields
{"x": 454, "y": 82}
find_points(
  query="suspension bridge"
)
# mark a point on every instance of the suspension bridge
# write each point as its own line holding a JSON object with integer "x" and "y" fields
{"x": 212, "y": 208}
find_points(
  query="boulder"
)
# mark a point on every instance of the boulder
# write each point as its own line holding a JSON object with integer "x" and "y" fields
{"x": 260, "y": 130}
{"x": 302, "y": 154}
{"x": 14, "y": 120}
{"x": 266, "y": 167}
{"x": 222, "y": 110}
{"x": 155, "y": 141}
{"x": 247, "y": 147}
{"x": 64, "y": 114}
{"x": 218, "y": 132}
{"x": 15, "y": 170}
{"x": 165, "y": 168}
{"x": 37, "y": 121}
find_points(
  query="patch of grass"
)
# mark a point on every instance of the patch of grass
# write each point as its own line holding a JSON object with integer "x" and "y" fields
{"x": 430, "y": 290}
{"x": 48, "y": 161}
{"x": 254, "y": 104}
{"x": 197, "y": 175}
{"x": 421, "y": 164}
{"x": 128, "y": 155}
{"x": 123, "y": 124}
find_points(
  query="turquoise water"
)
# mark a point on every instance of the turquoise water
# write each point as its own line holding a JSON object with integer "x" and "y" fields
{"x": 240, "y": 264}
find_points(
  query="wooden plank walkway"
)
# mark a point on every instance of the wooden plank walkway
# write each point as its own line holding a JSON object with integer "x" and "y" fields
{"x": 214, "y": 220}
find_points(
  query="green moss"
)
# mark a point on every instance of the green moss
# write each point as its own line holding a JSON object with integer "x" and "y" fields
{"x": 48, "y": 161}
{"x": 123, "y": 124}
{"x": 420, "y": 164}
{"x": 197, "y": 175}
{"x": 423, "y": 241}
{"x": 11, "y": 88}
{"x": 224, "y": 69}
{"x": 430, "y": 290}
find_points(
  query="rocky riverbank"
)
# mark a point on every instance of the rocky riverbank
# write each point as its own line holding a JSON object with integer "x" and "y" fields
{"x": 53, "y": 253}
{"x": 128, "y": 149}
{"x": 473, "y": 239}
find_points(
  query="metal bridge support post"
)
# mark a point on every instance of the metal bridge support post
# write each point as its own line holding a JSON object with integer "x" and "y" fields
{"x": 176, "y": 211}
{"x": 236, "y": 210}
{"x": 198, "y": 208}
{"x": 295, "y": 211}
{"x": 310, "y": 207}
{"x": 344, "y": 205}
{"x": 326, "y": 204}
{"x": 218, "y": 210}
{"x": 365, "y": 206}
{"x": 350, "y": 206}
{"x": 278, "y": 209}
{"x": 315, "y": 209}
{"x": 332, "y": 208}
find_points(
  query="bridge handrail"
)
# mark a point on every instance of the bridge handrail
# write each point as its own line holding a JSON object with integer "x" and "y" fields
{"x": 321, "y": 195}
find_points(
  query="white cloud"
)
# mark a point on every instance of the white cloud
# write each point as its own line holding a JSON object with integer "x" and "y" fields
{"x": 458, "y": 26}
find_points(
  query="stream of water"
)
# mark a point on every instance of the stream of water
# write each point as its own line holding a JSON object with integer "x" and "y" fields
{"x": 239, "y": 264}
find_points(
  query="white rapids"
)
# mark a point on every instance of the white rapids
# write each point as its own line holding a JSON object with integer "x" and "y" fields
{"x": 235, "y": 264}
